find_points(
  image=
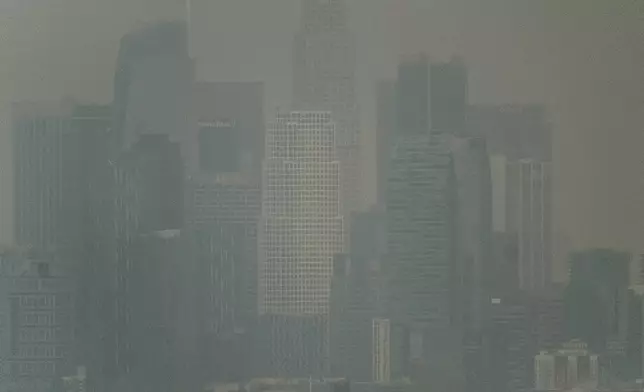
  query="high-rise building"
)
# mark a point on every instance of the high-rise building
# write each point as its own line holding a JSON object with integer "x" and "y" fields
{"x": 448, "y": 97}
{"x": 302, "y": 226}
{"x": 37, "y": 309}
{"x": 153, "y": 87}
{"x": 230, "y": 126}
{"x": 511, "y": 347}
{"x": 324, "y": 73}
{"x": 530, "y": 217}
{"x": 427, "y": 96}
{"x": 474, "y": 236}
{"x": 422, "y": 274}
{"x": 39, "y": 129}
{"x": 356, "y": 299}
{"x": 596, "y": 297}
{"x": 412, "y": 97}
{"x": 301, "y": 229}
{"x": 86, "y": 235}
{"x": 522, "y": 212}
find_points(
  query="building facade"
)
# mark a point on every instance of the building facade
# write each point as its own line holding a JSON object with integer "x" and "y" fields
{"x": 230, "y": 128}
{"x": 39, "y": 130}
{"x": 37, "y": 332}
{"x": 522, "y": 210}
{"x": 302, "y": 226}
{"x": 300, "y": 234}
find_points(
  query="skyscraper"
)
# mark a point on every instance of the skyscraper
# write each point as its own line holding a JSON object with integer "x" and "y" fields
{"x": 474, "y": 251}
{"x": 422, "y": 274}
{"x": 529, "y": 215}
{"x": 230, "y": 127}
{"x": 412, "y": 97}
{"x": 153, "y": 88}
{"x": 356, "y": 298}
{"x": 39, "y": 129}
{"x": 324, "y": 72}
{"x": 301, "y": 232}
{"x": 448, "y": 97}
{"x": 302, "y": 227}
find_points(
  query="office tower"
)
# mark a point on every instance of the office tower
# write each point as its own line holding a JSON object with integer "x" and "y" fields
{"x": 225, "y": 192}
{"x": 522, "y": 212}
{"x": 222, "y": 214}
{"x": 511, "y": 345}
{"x": 475, "y": 252}
{"x": 38, "y": 133}
{"x": 301, "y": 222}
{"x": 301, "y": 229}
{"x": 229, "y": 203}
{"x": 37, "y": 309}
{"x": 218, "y": 252}
{"x": 153, "y": 279}
{"x": 516, "y": 131}
{"x": 153, "y": 88}
{"x": 230, "y": 121}
{"x": 85, "y": 235}
{"x": 596, "y": 305}
{"x": 356, "y": 298}
{"x": 422, "y": 271}
{"x": 448, "y": 97}
{"x": 385, "y": 129}
{"x": 412, "y": 97}
{"x": 324, "y": 72}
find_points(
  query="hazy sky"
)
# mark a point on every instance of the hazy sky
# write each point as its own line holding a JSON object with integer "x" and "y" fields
{"x": 584, "y": 58}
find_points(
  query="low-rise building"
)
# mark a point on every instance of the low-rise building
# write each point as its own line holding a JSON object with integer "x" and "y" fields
{"x": 571, "y": 366}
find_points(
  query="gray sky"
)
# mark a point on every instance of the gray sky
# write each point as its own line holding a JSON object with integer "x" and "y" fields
{"x": 584, "y": 58}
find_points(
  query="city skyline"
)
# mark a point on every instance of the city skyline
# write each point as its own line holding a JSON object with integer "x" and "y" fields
{"x": 394, "y": 206}
{"x": 549, "y": 76}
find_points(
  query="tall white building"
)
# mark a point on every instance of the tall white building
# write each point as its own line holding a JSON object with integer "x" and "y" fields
{"x": 302, "y": 225}
{"x": 324, "y": 71}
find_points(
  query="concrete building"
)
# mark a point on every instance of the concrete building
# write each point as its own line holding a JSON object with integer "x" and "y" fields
{"x": 37, "y": 331}
{"x": 571, "y": 366}
{"x": 324, "y": 79}
{"x": 422, "y": 275}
